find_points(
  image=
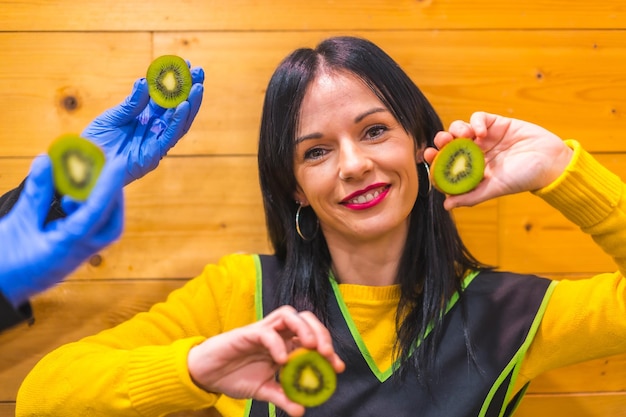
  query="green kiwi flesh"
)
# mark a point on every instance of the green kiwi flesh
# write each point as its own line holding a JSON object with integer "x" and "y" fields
{"x": 169, "y": 80}
{"x": 308, "y": 378}
{"x": 76, "y": 165}
{"x": 458, "y": 167}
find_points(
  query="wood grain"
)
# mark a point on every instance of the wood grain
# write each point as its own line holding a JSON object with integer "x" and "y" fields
{"x": 176, "y": 211}
{"x": 55, "y": 83}
{"x": 537, "y": 239}
{"x": 187, "y": 213}
{"x": 249, "y": 15}
{"x": 7, "y": 409}
{"x": 557, "y": 63}
{"x": 570, "y": 82}
{"x": 193, "y": 210}
{"x": 68, "y": 312}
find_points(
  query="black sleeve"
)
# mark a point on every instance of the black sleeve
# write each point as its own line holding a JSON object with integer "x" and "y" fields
{"x": 9, "y": 199}
{"x": 10, "y": 316}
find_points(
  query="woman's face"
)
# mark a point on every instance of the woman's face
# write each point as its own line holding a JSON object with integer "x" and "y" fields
{"x": 354, "y": 163}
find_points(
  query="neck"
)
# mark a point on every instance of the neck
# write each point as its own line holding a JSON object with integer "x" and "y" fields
{"x": 366, "y": 263}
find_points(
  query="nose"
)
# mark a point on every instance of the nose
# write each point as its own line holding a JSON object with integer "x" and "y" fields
{"x": 354, "y": 161}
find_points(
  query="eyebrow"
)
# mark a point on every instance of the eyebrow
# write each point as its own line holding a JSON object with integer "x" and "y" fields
{"x": 307, "y": 137}
{"x": 357, "y": 119}
{"x": 367, "y": 113}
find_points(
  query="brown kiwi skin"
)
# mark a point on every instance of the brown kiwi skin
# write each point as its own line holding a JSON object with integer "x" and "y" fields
{"x": 442, "y": 161}
{"x": 287, "y": 377}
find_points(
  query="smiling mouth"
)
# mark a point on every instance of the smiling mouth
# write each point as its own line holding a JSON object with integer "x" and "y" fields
{"x": 367, "y": 197}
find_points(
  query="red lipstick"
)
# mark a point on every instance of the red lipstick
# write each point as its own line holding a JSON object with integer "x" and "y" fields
{"x": 366, "y": 198}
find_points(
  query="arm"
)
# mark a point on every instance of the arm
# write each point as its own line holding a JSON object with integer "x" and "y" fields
{"x": 9, "y": 314}
{"x": 137, "y": 368}
{"x": 139, "y": 134}
{"x": 41, "y": 254}
{"x": 585, "y": 319}
{"x": 181, "y": 355}
{"x": 137, "y": 130}
{"x": 8, "y": 199}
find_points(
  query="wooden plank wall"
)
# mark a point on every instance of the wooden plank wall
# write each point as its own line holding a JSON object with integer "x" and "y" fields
{"x": 559, "y": 63}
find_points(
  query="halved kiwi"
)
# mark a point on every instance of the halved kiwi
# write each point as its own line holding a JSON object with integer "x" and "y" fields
{"x": 169, "y": 80}
{"x": 308, "y": 378}
{"x": 458, "y": 167}
{"x": 76, "y": 165}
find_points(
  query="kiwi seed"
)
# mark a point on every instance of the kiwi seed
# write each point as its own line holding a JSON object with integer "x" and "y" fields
{"x": 308, "y": 378}
{"x": 169, "y": 80}
{"x": 76, "y": 165}
{"x": 458, "y": 167}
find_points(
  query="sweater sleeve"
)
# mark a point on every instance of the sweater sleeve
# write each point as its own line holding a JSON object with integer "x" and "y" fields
{"x": 139, "y": 367}
{"x": 585, "y": 319}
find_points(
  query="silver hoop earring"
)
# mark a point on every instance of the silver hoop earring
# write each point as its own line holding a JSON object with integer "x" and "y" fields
{"x": 298, "y": 226}
{"x": 430, "y": 185}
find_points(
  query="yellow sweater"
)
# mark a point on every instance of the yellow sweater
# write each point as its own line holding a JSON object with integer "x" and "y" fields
{"x": 139, "y": 368}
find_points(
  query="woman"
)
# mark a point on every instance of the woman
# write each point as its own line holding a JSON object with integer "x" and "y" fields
{"x": 368, "y": 269}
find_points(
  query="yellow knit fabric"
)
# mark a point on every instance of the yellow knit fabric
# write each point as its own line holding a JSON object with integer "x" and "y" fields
{"x": 373, "y": 311}
{"x": 139, "y": 368}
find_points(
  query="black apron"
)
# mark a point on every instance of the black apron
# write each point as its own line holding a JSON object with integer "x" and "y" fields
{"x": 503, "y": 312}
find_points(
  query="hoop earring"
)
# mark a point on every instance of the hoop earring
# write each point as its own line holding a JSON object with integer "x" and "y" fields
{"x": 430, "y": 185}
{"x": 298, "y": 226}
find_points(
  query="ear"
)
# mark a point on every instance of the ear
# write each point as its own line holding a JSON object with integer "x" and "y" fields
{"x": 299, "y": 196}
{"x": 419, "y": 155}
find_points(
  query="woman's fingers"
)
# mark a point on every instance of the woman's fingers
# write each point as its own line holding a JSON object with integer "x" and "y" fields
{"x": 324, "y": 343}
{"x": 273, "y": 392}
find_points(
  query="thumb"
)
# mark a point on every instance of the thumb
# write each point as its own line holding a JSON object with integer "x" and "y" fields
{"x": 175, "y": 130}
{"x": 105, "y": 197}
{"x": 35, "y": 200}
{"x": 131, "y": 107}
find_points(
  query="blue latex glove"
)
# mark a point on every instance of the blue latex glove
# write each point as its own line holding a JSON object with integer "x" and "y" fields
{"x": 35, "y": 256}
{"x": 141, "y": 131}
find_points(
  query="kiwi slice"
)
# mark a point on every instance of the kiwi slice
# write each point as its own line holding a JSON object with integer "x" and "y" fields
{"x": 458, "y": 167}
{"x": 169, "y": 80}
{"x": 76, "y": 165}
{"x": 308, "y": 378}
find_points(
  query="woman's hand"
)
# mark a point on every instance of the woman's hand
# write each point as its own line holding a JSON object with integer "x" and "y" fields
{"x": 519, "y": 156}
{"x": 243, "y": 362}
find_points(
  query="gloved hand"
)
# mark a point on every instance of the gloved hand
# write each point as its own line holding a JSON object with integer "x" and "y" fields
{"x": 35, "y": 256}
{"x": 141, "y": 131}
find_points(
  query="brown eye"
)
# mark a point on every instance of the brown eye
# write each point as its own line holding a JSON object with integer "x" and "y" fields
{"x": 375, "y": 132}
{"x": 314, "y": 153}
